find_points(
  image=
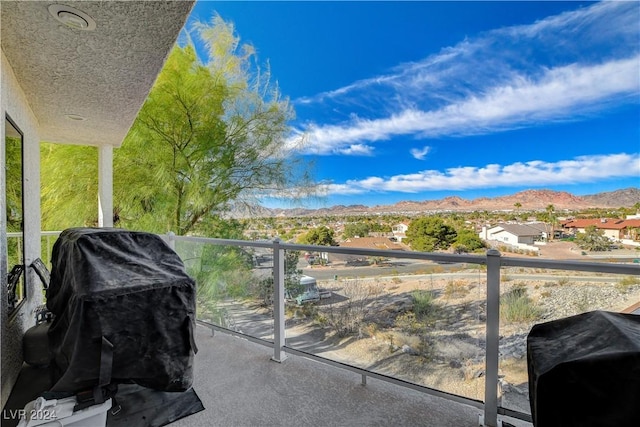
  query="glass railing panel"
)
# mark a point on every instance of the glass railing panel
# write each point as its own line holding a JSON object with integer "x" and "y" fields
{"x": 415, "y": 320}
{"x": 47, "y": 240}
{"x": 534, "y": 295}
{"x": 234, "y": 286}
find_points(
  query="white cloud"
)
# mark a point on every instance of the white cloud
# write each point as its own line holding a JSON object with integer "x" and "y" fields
{"x": 357, "y": 149}
{"x": 559, "y": 94}
{"x": 486, "y": 84}
{"x": 420, "y": 153}
{"x": 534, "y": 173}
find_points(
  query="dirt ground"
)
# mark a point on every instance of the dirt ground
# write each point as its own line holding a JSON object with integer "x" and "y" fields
{"x": 453, "y": 361}
{"x": 559, "y": 250}
{"x": 568, "y": 250}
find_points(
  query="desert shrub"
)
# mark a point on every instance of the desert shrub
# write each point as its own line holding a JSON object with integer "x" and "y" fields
{"x": 308, "y": 311}
{"x": 630, "y": 281}
{"x": 456, "y": 289}
{"x": 371, "y": 329}
{"x": 517, "y": 307}
{"x": 627, "y": 281}
{"x": 581, "y": 303}
{"x": 426, "y": 347}
{"x": 423, "y": 304}
{"x": 409, "y": 323}
{"x": 347, "y": 317}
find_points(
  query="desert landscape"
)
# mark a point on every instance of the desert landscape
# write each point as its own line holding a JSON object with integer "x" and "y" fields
{"x": 429, "y": 328}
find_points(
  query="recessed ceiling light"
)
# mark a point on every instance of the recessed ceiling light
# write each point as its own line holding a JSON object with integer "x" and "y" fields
{"x": 72, "y": 18}
{"x": 76, "y": 117}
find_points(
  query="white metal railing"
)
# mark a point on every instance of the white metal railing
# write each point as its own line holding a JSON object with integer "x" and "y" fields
{"x": 49, "y": 238}
{"x": 494, "y": 263}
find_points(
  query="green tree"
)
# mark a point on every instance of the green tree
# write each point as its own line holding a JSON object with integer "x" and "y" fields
{"x": 430, "y": 233}
{"x": 322, "y": 236}
{"x": 517, "y": 205}
{"x": 550, "y": 209}
{"x": 211, "y": 131}
{"x": 467, "y": 241}
{"x": 13, "y": 182}
{"x": 376, "y": 227}
{"x": 69, "y": 186}
{"x": 360, "y": 229}
{"x": 593, "y": 240}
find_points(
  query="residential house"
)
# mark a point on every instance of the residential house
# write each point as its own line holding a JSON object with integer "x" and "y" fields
{"x": 400, "y": 230}
{"x": 72, "y": 73}
{"x": 613, "y": 228}
{"x": 514, "y": 234}
{"x": 379, "y": 243}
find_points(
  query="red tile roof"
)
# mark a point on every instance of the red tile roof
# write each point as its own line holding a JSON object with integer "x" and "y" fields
{"x": 604, "y": 223}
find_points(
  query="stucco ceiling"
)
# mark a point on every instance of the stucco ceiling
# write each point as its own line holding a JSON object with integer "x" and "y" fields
{"x": 102, "y": 75}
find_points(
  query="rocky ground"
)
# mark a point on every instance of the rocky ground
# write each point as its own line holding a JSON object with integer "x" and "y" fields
{"x": 447, "y": 351}
{"x": 448, "y": 354}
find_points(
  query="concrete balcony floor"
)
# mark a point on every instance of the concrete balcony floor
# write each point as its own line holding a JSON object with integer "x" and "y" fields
{"x": 240, "y": 385}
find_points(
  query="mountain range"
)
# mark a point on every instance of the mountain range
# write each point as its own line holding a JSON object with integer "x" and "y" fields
{"x": 528, "y": 200}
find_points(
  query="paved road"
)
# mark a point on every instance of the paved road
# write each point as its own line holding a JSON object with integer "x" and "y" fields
{"x": 413, "y": 271}
{"x": 394, "y": 268}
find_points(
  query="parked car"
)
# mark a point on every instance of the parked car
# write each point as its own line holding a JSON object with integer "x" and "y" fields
{"x": 309, "y": 291}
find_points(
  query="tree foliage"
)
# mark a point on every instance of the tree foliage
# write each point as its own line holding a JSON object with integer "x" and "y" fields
{"x": 211, "y": 132}
{"x": 322, "y": 236}
{"x": 69, "y": 186}
{"x": 428, "y": 234}
{"x": 467, "y": 241}
{"x": 593, "y": 240}
{"x": 359, "y": 229}
{"x": 13, "y": 183}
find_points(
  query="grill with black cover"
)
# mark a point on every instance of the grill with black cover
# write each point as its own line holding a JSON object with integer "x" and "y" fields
{"x": 584, "y": 371}
{"x": 124, "y": 311}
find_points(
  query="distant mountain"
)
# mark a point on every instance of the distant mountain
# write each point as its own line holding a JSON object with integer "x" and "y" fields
{"x": 528, "y": 200}
{"x": 627, "y": 198}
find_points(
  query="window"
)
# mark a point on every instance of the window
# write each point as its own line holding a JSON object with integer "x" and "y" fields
{"x": 16, "y": 284}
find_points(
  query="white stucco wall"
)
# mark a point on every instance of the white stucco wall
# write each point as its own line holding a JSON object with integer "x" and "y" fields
{"x": 612, "y": 234}
{"x": 13, "y": 103}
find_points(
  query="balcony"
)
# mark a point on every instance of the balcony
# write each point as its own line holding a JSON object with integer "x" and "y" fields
{"x": 461, "y": 365}
{"x": 240, "y": 386}
{"x": 402, "y": 338}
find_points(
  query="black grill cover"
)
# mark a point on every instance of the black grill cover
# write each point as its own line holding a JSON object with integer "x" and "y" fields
{"x": 124, "y": 311}
{"x": 584, "y": 371}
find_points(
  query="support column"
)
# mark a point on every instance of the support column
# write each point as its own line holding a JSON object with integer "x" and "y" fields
{"x": 105, "y": 186}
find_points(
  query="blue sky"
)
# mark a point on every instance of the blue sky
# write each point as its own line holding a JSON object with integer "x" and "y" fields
{"x": 423, "y": 100}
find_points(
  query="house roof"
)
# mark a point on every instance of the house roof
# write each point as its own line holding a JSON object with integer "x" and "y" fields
{"x": 102, "y": 75}
{"x": 516, "y": 229}
{"x": 540, "y": 226}
{"x": 604, "y": 223}
{"x": 383, "y": 243}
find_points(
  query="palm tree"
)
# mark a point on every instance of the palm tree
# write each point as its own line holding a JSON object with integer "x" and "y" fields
{"x": 552, "y": 219}
{"x": 517, "y": 205}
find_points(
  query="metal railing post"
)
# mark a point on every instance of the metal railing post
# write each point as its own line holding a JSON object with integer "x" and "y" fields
{"x": 278, "y": 302}
{"x": 493, "y": 339}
